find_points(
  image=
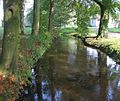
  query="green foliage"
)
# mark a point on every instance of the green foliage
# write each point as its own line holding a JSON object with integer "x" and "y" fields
{"x": 82, "y": 18}
{"x": 44, "y": 14}
{"x": 31, "y": 49}
{"x": 61, "y": 13}
{"x": 94, "y": 9}
{"x": 38, "y": 45}
{"x": 44, "y": 20}
{"x": 108, "y": 8}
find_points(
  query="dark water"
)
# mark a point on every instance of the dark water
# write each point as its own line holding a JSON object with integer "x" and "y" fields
{"x": 73, "y": 72}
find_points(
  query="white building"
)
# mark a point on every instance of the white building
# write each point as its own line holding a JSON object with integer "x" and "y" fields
{"x": 94, "y": 22}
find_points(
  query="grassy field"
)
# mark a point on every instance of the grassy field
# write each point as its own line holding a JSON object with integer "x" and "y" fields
{"x": 64, "y": 30}
{"x": 115, "y": 30}
{"x": 67, "y": 30}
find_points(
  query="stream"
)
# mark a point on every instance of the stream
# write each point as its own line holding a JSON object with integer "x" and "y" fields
{"x": 70, "y": 71}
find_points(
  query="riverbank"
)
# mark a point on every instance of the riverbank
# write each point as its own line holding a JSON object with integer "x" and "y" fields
{"x": 31, "y": 48}
{"x": 110, "y": 46}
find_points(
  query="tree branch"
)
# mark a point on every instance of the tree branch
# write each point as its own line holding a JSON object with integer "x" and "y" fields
{"x": 98, "y": 2}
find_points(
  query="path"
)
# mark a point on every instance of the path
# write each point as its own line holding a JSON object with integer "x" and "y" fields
{"x": 113, "y": 35}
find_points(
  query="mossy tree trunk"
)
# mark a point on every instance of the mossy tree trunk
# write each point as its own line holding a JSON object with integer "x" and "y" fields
{"x": 11, "y": 32}
{"x": 36, "y": 17}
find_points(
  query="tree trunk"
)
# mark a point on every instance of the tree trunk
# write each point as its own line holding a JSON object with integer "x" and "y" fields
{"x": 101, "y": 23}
{"x": 50, "y": 19}
{"x": 22, "y": 18}
{"x": 36, "y": 14}
{"x": 11, "y": 31}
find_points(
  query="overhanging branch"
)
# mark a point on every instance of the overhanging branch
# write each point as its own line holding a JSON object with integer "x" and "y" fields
{"x": 98, "y": 2}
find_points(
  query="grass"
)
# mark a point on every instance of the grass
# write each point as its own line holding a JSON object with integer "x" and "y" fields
{"x": 67, "y": 30}
{"x": 73, "y": 31}
{"x": 115, "y": 30}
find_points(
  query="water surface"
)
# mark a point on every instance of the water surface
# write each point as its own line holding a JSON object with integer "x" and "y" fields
{"x": 74, "y": 72}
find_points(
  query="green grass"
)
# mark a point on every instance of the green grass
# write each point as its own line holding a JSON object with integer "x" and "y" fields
{"x": 115, "y": 30}
{"x": 67, "y": 30}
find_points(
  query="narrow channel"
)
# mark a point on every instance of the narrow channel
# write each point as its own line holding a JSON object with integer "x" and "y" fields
{"x": 74, "y": 72}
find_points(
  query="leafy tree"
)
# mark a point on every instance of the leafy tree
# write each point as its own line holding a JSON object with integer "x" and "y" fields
{"x": 44, "y": 15}
{"x": 107, "y": 7}
{"x": 62, "y": 9}
{"x": 82, "y": 18}
{"x": 84, "y": 10}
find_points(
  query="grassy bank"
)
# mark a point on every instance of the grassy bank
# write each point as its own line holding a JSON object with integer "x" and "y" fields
{"x": 110, "y": 46}
{"x": 31, "y": 48}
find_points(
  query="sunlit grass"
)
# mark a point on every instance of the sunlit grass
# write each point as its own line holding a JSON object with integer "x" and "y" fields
{"x": 116, "y": 30}
{"x": 67, "y": 30}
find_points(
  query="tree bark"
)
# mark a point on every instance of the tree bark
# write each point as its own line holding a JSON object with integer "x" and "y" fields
{"x": 51, "y": 12}
{"x": 22, "y": 18}
{"x": 11, "y": 32}
{"x": 36, "y": 14}
{"x": 101, "y": 23}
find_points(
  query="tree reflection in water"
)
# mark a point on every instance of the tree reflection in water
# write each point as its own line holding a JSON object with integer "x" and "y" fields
{"x": 96, "y": 78}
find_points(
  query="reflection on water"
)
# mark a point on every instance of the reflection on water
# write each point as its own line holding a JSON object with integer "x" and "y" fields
{"x": 92, "y": 54}
{"x": 94, "y": 76}
{"x": 92, "y": 64}
{"x": 72, "y": 46}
